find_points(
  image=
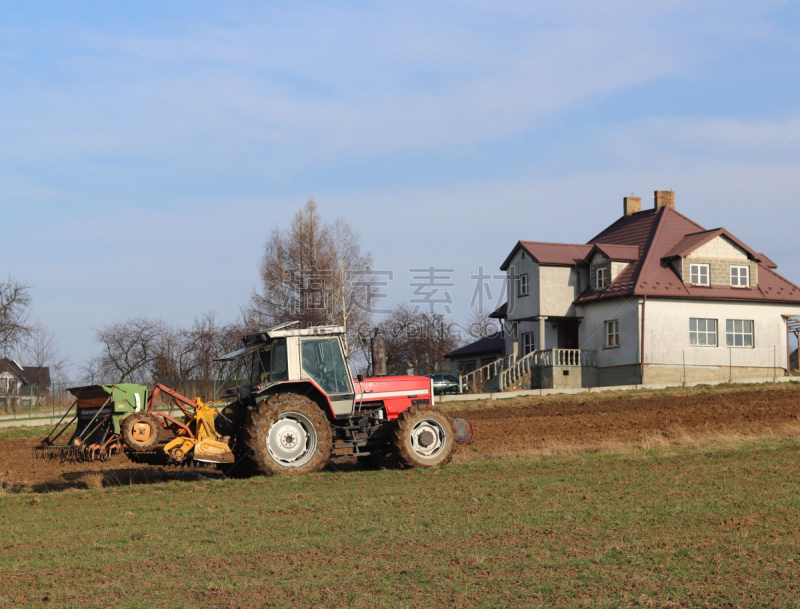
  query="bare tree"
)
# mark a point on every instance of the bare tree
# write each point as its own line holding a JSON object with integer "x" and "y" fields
{"x": 352, "y": 283}
{"x": 129, "y": 348}
{"x": 315, "y": 273}
{"x": 480, "y": 325}
{"x": 15, "y": 303}
{"x": 293, "y": 271}
{"x": 417, "y": 340}
{"x": 188, "y": 354}
{"x": 43, "y": 349}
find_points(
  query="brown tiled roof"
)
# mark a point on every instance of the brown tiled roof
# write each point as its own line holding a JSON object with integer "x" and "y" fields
{"x": 615, "y": 252}
{"x": 663, "y": 233}
{"x": 569, "y": 254}
{"x": 692, "y": 241}
{"x": 767, "y": 262}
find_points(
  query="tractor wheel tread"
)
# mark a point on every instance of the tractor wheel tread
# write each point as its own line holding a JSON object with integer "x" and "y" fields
{"x": 403, "y": 426}
{"x": 126, "y": 431}
{"x": 257, "y": 428}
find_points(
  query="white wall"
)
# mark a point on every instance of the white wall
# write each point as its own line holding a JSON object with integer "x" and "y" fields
{"x": 617, "y": 268}
{"x": 667, "y": 332}
{"x": 592, "y": 330}
{"x": 719, "y": 247}
{"x": 526, "y": 306}
{"x": 558, "y": 290}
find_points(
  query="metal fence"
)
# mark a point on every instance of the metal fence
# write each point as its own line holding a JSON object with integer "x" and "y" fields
{"x": 715, "y": 364}
{"x": 42, "y": 401}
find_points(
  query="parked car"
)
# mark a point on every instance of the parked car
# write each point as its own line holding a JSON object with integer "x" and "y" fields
{"x": 444, "y": 383}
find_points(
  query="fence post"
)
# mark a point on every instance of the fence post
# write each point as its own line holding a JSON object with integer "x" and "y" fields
{"x": 639, "y": 370}
{"x": 774, "y": 364}
{"x": 730, "y": 365}
{"x": 684, "y": 367}
{"x": 53, "y": 395}
{"x": 30, "y": 404}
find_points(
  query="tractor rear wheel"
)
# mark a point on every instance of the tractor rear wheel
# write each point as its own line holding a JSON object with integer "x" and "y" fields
{"x": 139, "y": 431}
{"x": 424, "y": 436}
{"x": 288, "y": 434}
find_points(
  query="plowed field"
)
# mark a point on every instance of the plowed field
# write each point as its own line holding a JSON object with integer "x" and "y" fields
{"x": 519, "y": 426}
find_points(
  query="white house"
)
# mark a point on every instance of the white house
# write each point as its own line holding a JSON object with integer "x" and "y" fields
{"x": 654, "y": 297}
{"x": 21, "y": 385}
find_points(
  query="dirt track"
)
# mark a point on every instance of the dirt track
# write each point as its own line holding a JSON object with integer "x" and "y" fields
{"x": 522, "y": 426}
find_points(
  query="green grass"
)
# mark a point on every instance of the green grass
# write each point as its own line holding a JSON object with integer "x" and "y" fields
{"x": 13, "y": 433}
{"x": 663, "y": 528}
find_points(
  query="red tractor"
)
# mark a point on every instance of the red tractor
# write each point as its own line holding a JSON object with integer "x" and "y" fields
{"x": 302, "y": 407}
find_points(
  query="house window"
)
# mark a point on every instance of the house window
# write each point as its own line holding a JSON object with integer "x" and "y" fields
{"x": 739, "y": 333}
{"x": 612, "y": 333}
{"x": 523, "y": 285}
{"x": 740, "y": 276}
{"x": 703, "y": 332}
{"x": 698, "y": 274}
{"x": 602, "y": 278}
{"x": 527, "y": 343}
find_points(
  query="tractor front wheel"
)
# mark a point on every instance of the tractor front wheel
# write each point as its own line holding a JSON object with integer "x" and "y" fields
{"x": 139, "y": 431}
{"x": 424, "y": 437}
{"x": 288, "y": 434}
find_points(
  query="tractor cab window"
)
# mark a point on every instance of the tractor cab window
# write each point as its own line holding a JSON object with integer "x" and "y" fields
{"x": 269, "y": 364}
{"x": 323, "y": 362}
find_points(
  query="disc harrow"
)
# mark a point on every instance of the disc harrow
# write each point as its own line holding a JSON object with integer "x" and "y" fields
{"x": 79, "y": 453}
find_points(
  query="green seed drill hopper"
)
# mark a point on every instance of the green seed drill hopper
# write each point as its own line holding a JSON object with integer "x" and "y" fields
{"x": 99, "y": 409}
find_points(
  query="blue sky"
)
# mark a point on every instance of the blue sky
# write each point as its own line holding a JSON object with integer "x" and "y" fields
{"x": 147, "y": 151}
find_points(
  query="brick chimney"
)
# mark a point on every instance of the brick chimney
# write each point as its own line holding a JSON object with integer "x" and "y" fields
{"x": 664, "y": 198}
{"x": 631, "y": 205}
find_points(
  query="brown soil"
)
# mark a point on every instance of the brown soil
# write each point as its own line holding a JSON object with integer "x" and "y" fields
{"x": 630, "y": 421}
{"x": 524, "y": 427}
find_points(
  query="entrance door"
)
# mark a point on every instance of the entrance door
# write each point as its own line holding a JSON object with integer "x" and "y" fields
{"x": 568, "y": 333}
{"x": 323, "y": 361}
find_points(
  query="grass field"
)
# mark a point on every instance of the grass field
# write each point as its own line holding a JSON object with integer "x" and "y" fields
{"x": 663, "y": 528}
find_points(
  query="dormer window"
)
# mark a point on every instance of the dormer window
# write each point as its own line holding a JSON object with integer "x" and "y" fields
{"x": 601, "y": 278}
{"x": 740, "y": 276}
{"x": 698, "y": 274}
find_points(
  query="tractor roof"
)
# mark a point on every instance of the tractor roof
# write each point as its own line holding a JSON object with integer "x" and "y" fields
{"x": 254, "y": 342}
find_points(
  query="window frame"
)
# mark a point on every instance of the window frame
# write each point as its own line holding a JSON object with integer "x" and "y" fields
{"x": 733, "y": 333}
{"x": 739, "y": 277}
{"x": 523, "y": 280}
{"x": 705, "y": 332}
{"x": 700, "y": 265}
{"x": 525, "y": 345}
{"x": 318, "y": 376}
{"x": 612, "y": 330}
{"x": 602, "y": 270}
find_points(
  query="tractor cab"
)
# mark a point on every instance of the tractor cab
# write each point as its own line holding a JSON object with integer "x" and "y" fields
{"x": 284, "y": 354}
